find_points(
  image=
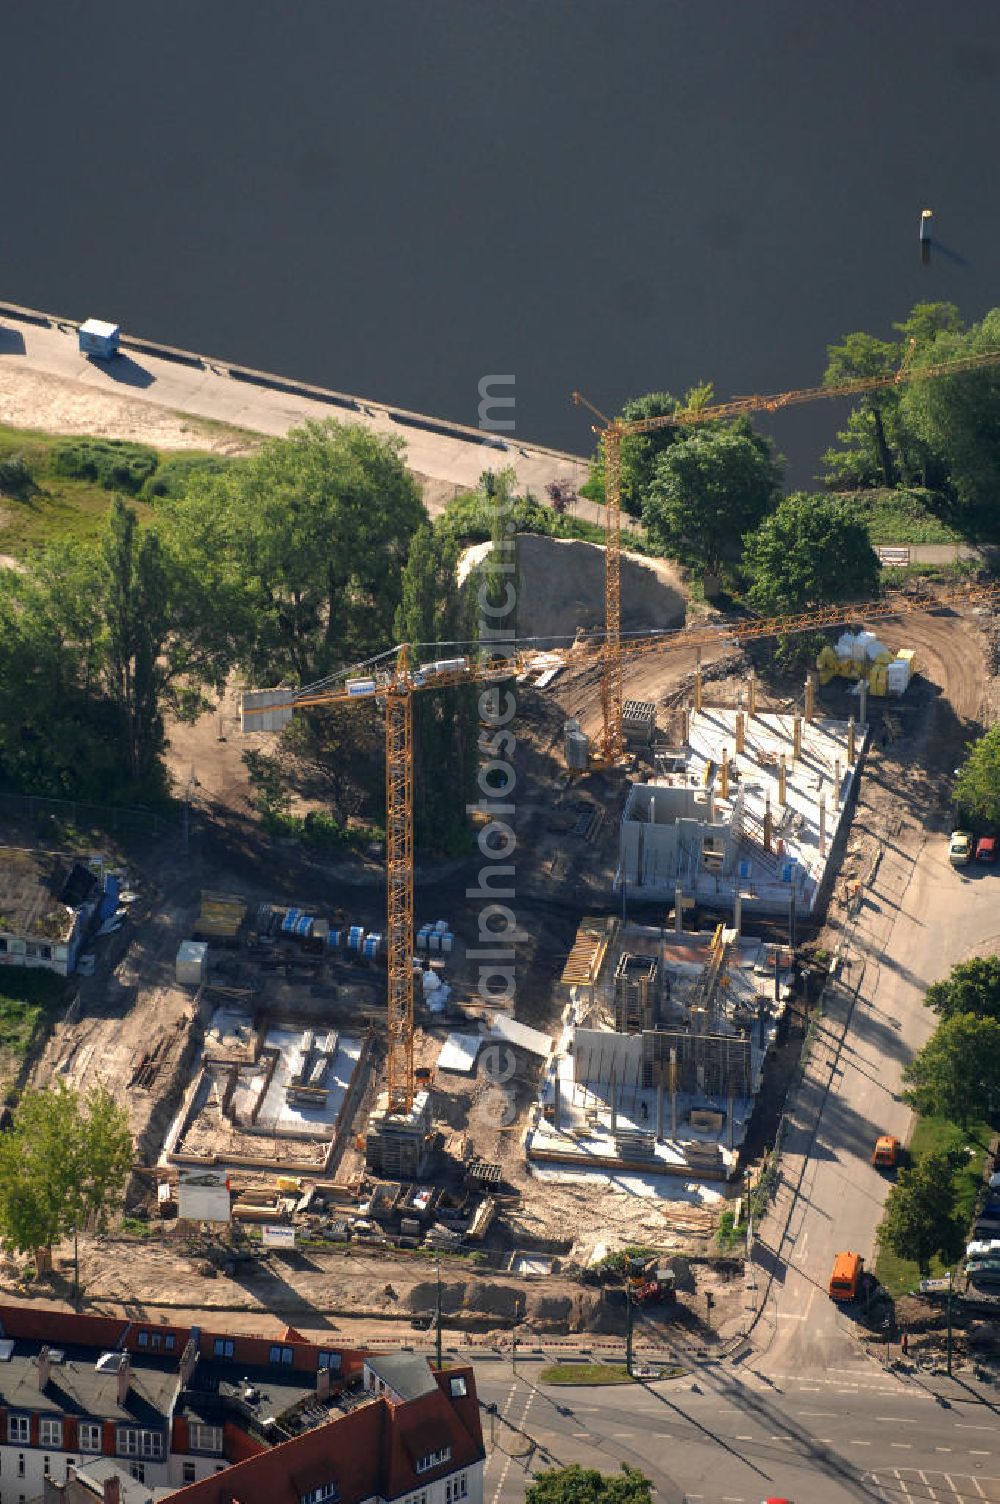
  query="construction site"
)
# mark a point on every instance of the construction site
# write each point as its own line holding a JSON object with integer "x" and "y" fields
{"x": 686, "y": 819}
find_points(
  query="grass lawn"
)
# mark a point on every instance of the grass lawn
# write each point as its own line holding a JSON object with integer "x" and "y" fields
{"x": 585, "y": 1373}
{"x": 900, "y": 517}
{"x": 28, "y": 996}
{"x": 58, "y": 506}
{"x": 934, "y": 1135}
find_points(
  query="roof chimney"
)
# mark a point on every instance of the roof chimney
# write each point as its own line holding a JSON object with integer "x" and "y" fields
{"x": 44, "y": 1368}
{"x": 113, "y": 1490}
{"x": 124, "y": 1379}
{"x": 189, "y": 1362}
{"x": 322, "y": 1383}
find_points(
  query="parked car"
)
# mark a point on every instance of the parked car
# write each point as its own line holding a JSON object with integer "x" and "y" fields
{"x": 986, "y": 849}
{"x": 960, "y": 848}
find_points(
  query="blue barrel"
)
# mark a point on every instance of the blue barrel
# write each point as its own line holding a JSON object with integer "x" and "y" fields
{"x": 355, "y": 936}
{"x": 333, "y": 939}
{"x": 304, "y": 925}
{"x": 288, "y": 923}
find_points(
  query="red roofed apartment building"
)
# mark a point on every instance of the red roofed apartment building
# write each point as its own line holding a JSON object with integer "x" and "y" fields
{"x": 127, "y": 1412}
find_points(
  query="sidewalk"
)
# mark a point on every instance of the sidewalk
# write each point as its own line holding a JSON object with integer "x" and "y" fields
{"x": 449, "y": 456}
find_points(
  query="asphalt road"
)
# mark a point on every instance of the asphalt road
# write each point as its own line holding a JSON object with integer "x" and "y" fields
{"x": 736, "y": 1438}
{"x": 917, "y": 919}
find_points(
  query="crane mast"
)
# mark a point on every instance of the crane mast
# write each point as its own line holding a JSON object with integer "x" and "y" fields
{"x": 399, "y": 888}
{"x": 613, "y": 675}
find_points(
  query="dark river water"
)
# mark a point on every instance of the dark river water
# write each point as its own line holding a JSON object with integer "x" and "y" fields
{"x": 399, "y": 197}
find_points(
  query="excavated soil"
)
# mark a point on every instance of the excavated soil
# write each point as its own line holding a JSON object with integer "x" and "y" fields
{"x": 560, "y": 588}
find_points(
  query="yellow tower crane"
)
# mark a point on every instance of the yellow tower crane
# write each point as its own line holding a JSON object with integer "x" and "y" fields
{"x": 614, "y": 430}
{"x": 392, "y": 681}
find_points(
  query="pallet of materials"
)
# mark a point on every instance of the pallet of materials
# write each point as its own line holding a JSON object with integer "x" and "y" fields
{"x": 221, "y": 916}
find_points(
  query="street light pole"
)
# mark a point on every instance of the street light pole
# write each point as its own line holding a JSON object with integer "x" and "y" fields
{"x": 949, "y": 1321}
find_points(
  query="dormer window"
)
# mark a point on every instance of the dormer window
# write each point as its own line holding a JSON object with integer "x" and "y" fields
{"x": 433, "y": 1459}
{"x": 326, "y": 1493}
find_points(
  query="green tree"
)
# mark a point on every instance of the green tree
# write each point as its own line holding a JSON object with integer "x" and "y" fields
{"x": 957, "y": 1073}
{"x": 971, "y": 988}
{"x": 878, "y": 445}
{"x": 433, "y": 616}
{"x": 977, "y": 783}
{"x": 63, "y": 1166}
{"x": 919, "y": 1219}
{"x": 303, "y": 545}
{"x": 957, "y": 420}
{"x": 867, "y": 443}
{"x": 811, "y": 550}
{"x": 95, "y": 644}
{"x": 640, "y": 451}
{"x": 136, "y": 600}
{"x": 707, "y": 492}
{"x": 585, "y": 1485}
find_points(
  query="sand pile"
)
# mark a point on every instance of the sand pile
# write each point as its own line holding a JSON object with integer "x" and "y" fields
{"x": 560, "y": 587}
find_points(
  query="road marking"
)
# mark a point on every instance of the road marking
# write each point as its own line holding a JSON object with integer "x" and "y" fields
{"x": 854, "y": 1442}
{"x": 979, "y": 1490}
{"x": 898, "y": 1420}
{"x": 791, "y": 1316}
{"x": 732, "y": 1499}
{"x": 964, "y": 1425}
{"x": 974, "y": 1453}
{"x": 744, "y": 1438}
{"x": 903, "y": 1446}
{"x": 943, "y": 1449}
{"x": 827, "y": 1413}
{"x": 579, "y": 1434}
{"x": 779, "y": 1438}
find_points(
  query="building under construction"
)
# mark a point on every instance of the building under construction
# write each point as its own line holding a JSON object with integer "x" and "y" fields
{"x": 745, "y": 813}
{"x": 662, "y": 1052}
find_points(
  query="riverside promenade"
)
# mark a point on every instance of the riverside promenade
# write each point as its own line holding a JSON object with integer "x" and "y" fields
{"x": 447, "y": 457}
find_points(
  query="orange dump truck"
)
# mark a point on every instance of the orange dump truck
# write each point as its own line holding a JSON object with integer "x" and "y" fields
{"x": 845, "y": 1281}
{"x": 885, "y": 1155}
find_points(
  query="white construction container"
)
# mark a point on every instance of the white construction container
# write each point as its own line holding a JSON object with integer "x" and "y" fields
{"x": 191, "y": 966}
{"x": 900, "y": 671}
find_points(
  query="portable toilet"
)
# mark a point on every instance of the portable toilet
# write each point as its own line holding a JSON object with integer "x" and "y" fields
{"x": 99, "y": 338}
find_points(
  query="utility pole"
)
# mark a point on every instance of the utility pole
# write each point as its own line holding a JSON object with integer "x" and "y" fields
{"x": 629, "y": 1318}
{"x": 949, "y": 1321}
{"x": 439, "y": 1362}
{"x": 749, "y": 1213}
